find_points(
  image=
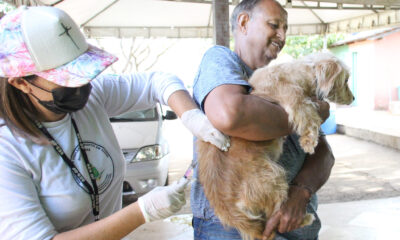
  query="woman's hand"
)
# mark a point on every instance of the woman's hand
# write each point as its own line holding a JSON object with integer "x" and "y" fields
{"x": 162, "y": 202}
{"x": 197, "y": 122}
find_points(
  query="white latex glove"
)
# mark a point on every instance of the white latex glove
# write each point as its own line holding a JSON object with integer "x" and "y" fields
{"x": 162, "y": 202}
{"x": 197, "y": 122}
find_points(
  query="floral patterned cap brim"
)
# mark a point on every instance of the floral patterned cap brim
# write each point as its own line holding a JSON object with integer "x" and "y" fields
{"x": 16, "y": 61}
{"x": 81, "y": 70}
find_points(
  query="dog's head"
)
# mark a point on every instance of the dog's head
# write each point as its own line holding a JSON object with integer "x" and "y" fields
{"x": 331, "y": 76}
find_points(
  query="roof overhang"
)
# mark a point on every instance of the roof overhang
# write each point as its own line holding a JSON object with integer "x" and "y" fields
{"x": 367, "y": 35}
{"x": 193, "y": 18}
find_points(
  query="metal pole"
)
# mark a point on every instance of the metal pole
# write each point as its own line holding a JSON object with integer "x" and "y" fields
{"x": 221, "y": 22}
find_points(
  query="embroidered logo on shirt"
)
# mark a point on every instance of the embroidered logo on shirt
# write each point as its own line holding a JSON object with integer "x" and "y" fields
{"x": 102, "y": 165}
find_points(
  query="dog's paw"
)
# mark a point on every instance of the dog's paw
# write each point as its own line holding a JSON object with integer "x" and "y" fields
{"x": 308, "y": 144}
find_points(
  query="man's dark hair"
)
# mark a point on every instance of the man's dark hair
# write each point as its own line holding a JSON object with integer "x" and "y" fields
{"x": 244, "y": 6}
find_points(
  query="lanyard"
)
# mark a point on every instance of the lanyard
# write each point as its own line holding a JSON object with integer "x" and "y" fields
{"x": 93, "y": 191}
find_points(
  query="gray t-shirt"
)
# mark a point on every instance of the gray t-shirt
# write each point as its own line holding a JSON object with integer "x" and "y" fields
{"x": 221, "y": 66}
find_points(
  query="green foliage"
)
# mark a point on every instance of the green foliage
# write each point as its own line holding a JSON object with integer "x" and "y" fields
{"x": 298, "y": 46}
{"x": 5, "y": 7}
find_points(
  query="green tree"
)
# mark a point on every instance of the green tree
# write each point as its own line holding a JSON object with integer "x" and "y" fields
{"x": 299, "y": 46}
{"x": 5, "y": 8}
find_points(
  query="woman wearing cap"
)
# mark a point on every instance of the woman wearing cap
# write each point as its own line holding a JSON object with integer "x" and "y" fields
{"x": 61, "y": 168}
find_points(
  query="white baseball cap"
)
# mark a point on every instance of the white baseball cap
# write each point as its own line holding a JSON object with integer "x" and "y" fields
{"x": 45, "y": 41}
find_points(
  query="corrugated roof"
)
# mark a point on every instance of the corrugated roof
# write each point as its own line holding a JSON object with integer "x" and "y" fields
{"x": 367, "y": 35}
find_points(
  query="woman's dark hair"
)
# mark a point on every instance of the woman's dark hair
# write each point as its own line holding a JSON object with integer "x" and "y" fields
{"x": 17, "y": 110}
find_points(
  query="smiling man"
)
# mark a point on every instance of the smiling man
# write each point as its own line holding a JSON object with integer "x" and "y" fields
{"x": 222, "y": 91}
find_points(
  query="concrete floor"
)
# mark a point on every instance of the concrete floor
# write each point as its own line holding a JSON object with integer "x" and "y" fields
{"x": 361, "y": 200}
{"x": 357, "y": 220}
{"x": 363, "y": 170}
{"x": 361, "y": 220}
{"x": 380, "y": 127}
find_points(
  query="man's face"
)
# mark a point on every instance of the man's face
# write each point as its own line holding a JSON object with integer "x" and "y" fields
{"x": 266, "y": 32}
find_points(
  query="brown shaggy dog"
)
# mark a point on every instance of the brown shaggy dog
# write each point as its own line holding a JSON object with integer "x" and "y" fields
{"x": 246, "y": 185}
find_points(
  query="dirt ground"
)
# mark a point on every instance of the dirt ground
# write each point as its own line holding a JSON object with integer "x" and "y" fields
{"x": 363, "y": 170}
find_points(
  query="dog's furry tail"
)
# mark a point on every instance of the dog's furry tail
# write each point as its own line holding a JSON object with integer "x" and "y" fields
{"x": 212, "y": 173}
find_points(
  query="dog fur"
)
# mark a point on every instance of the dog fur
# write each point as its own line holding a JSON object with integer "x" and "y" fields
{"x": 246, "y": 185}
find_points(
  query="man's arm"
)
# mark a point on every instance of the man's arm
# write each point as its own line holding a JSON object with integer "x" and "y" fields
{"x": 317, "y": 167}
{"x": 236, "y": 113}
{"x": 313, "y": 175}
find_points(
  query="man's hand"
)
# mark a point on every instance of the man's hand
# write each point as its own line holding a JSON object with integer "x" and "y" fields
{"x": 323, "y": 108}
{"x": 291, "y": 214}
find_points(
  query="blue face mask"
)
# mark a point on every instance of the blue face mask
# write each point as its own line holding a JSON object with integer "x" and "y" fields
{"x": 66, "y": 100}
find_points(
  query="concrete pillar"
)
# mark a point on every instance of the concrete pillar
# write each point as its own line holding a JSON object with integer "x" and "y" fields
{"x": 221, "y": 22}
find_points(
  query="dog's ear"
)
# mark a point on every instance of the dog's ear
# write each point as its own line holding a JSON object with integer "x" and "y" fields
{"x": 326, "y": 72}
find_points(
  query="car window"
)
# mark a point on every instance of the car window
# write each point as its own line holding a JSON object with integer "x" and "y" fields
{"x": 137, "y": 116}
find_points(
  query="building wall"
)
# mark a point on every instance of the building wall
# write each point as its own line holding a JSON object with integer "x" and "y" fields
{"x": 375, "y": 66}
{"x": 362, "y": 57}
{"x": 345, "y": 55}
{"x": 388, "y": 68}
{"x": 359, "y": 58}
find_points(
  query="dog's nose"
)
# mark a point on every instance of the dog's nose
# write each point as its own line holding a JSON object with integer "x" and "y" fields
{"x": 354, "y": 98}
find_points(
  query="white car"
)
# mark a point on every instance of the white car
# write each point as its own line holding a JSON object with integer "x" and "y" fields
{"x": 146, "y": 152}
